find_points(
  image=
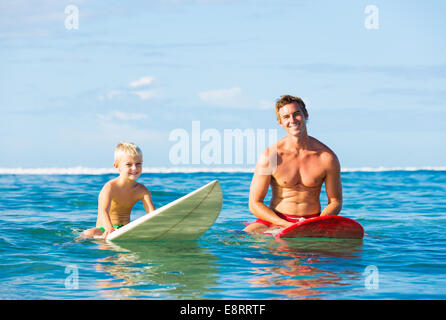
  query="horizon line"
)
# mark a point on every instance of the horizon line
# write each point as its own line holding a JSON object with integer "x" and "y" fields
{"x": 79, "y": 170}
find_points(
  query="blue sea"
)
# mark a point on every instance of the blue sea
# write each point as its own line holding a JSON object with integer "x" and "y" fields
{"x": 403, "y": 255}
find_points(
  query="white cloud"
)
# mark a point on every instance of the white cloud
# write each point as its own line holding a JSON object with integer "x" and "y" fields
{"x": 118, "y": 115}
{"x": 143, "y": 81}
{"x": 233, "y": 98}
{"x": 223, "y": 97}
{"x": 110, "y": 95}
{"x": 145, "y": 94}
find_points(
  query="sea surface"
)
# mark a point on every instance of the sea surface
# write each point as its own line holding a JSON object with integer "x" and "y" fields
{"x": 403, "y": 255}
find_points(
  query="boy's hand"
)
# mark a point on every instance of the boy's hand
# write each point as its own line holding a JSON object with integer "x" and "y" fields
{"x": 107, "y": 232}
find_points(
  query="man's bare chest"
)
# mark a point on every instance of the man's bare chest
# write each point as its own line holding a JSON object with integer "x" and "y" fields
{"x": 293, "y": 172}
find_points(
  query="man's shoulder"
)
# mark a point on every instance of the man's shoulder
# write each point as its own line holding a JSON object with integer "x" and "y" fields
{"x": 267, "y": 161}
{"x": 319, "y": 146}
{"x": 325, "y": 153}
{"x": 269, "y": 152}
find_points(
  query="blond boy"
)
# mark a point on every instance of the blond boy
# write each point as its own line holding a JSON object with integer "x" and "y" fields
{"x": 119, "y": 195}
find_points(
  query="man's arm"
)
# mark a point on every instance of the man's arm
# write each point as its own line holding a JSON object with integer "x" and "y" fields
{"x": 258, "y": 190}
{"x": 333, "y": 187}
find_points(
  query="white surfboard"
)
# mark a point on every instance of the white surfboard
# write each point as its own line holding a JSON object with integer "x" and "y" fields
{"x": 186, "y": 218}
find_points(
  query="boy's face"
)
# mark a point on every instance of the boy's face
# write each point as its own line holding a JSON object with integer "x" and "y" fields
{"x": 129, "y": 166}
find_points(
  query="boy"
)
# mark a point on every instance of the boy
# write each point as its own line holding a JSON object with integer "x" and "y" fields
{"x": 118, "y": 196}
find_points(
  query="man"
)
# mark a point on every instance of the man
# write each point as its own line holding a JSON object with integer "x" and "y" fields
{"x": 295, "y": 167}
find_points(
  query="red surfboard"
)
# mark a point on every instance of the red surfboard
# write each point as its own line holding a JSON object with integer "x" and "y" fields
{"x": 330, "y": 226}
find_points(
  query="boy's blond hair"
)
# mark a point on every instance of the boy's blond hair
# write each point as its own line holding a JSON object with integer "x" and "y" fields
{"x": 126, "y": 148}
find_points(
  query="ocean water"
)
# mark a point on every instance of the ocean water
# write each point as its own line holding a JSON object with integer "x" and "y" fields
{"x": 403, "y": 255}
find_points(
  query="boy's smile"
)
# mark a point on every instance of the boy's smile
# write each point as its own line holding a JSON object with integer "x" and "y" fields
{"x": 129, "y": 166}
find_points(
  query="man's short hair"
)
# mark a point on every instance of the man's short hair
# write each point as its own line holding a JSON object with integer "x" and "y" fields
{"x": 126, "y": 148}
{"x": 287, "y": 99}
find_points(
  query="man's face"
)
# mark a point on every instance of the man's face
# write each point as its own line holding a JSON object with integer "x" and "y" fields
{"x": 292, "y": 119}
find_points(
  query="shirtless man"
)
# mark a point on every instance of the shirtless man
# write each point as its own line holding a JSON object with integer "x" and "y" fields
{"x": 295, "y": 167}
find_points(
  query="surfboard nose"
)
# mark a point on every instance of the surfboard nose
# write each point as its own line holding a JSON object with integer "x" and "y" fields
{"x": 213, "y": 182}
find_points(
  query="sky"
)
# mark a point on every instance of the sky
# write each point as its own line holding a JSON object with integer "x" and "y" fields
{"x": 374, "y": 81}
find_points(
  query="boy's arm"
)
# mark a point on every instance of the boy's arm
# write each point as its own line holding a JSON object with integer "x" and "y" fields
{"x": 104, "y": 202}
{"x": 147, "y": 201}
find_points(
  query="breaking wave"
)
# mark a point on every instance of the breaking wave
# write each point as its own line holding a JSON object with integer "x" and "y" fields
{"x": 101, "y": 171}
